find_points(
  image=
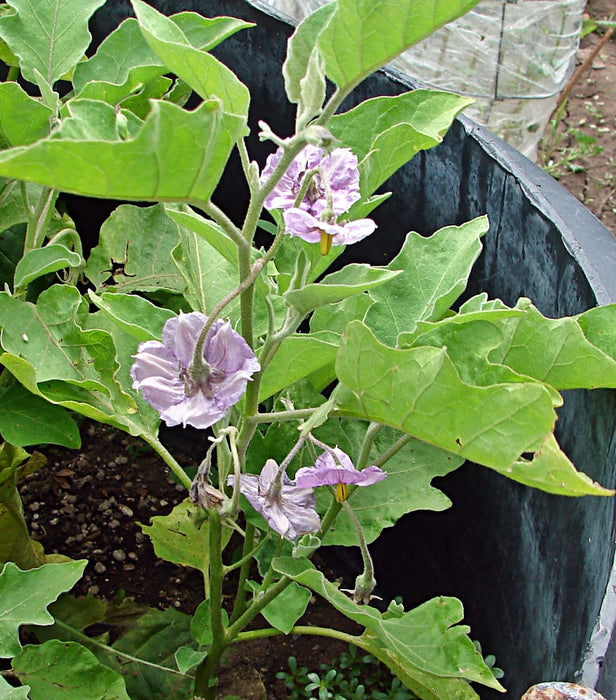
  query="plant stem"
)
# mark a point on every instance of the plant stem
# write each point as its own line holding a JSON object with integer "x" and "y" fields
{"x": 299, "y": 629}
{"x": 89, "y": 641}
{"x": 240, "y": 598}
{"x": 169, "y": 460}
{"x": 206, "y": 675}
{"x": 37, "y": 223}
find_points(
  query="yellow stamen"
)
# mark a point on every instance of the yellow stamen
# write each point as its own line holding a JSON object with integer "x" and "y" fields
{"x": 342, "y": 492}
{"x": 325, "y": 243}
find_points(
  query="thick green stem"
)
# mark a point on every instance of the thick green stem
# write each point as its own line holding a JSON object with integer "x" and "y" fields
{"x": 207, "y": 671}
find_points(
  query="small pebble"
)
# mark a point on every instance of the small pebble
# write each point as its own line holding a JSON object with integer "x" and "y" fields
{"x": 119, "y": 554}
{"x": 99, "y": 567}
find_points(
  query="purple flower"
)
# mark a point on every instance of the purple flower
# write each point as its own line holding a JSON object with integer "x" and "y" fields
{"x": 334, "y": 468}
{"x": 201, "y": 396}
{"x": 336, "y": 172}
{"x": 288, "y": 509}
{"x": 302, "y": 224}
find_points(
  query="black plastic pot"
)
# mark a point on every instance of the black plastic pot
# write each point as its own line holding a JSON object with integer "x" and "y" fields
{"x": 532, "y": 569}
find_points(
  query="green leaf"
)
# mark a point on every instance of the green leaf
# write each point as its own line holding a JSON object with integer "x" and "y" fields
{"x": 427, "y": 639}
{"x": 208, "y": 275}
{"x": 134, "y": 251}
{"x": 26, "y": 419}
{"x": 59, "y": 670}
{"x": 386, "y": 132}
{"x": 133, "y": 314}
{"x": 41, "y": 261}
{"x": 181, "y": 537}
{"x": 286, "y": 608}
{"x": 434, "y": 273}
{"x": 561, "y": 355}
{"x": 199, "y": 69}
{"x": 297, "y": 357}
{"x": 14, "y": 207}
{"x": 334, "y": 317}
{"x": 48, "y": 36}
{"x": 407, "y": 488}
{"x": 25, "y": 595}
{"x": 16, "y": 545}
{"x": 551, "y": 470}
{"x": 177, "y": 155}
{"x": 123, "y": 58}
{"x": 352, "y": 279}
{"x": 301, "y": 49}
{"x": 145, "y": 420}
{"x": 420, "y": 392}
{"x": 187, "y": 658}
{"x": 303, "y": 70}
{"x": 23, "y": 119}
{"x": 200, "y": 627}
{"x": 9, "y": 692}
{"x": 50, "y": 337}
{"x": 364, "y": 35}
{"x": 154, "y": 641}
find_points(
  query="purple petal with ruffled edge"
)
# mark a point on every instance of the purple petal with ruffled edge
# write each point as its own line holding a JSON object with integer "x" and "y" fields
{"x": 339, "y": 169}
{"x": 288, "y": 510}
{"x": 307, "y": 227}
{"x": 159, "y": 367}
{"x": 337, "y": 468}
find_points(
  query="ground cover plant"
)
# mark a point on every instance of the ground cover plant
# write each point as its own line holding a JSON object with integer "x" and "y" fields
{"x": 332, "y": 398}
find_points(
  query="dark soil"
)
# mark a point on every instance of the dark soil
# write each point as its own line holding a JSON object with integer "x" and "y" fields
{"x": 87, "y": 503}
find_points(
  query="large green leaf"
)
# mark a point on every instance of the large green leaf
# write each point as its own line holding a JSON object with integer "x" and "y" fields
{"x": 386, "y": 132}
{"x": 177, "y": 155}
{"x": 551, "y": 470}
{"x": 134, "y": 251}
{"x": 426, "y": 640}
{"x": 23, "y": 119}
{"x": 297, "y": 357}
{"x": 154, "y": 641}
{"x": 364, "y": 35}
{"x": 207, "y": 274}
{"x": 407, "y": 488}
{"x": 352, "y": 279}
{"x": 199, "y": 69}
{"x": 180, "y": 538}
{"x": 557, "y": 351}
{"x": 420, "y": 392}
{"x": 434, "y": 273}
{"x": 25, "y": 595}
{"x": 133, "y": 314}
{"x": 286, "y": 608}
{"x": 123, "y": 58}
{"x": 57, "y": 670}
{"x": 48, "y": 36}
{"x": 26, "y": 419}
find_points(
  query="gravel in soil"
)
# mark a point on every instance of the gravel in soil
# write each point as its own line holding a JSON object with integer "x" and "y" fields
{"x": 88, "y": 503}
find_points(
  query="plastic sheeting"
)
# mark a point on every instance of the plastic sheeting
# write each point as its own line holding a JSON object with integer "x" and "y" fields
{"x": 513, "y": 58}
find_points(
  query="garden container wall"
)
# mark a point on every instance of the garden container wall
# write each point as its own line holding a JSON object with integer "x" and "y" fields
{"x": 531, "y": 568}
